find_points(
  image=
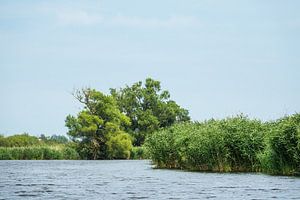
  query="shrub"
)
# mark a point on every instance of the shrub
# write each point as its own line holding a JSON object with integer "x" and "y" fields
{"x": 70, "y": 154}
{"x": 138, "y": 153}
{"x": 119, "y": 146}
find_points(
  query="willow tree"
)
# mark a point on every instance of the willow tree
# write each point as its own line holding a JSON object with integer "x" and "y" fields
{"x": 98, "y": 125}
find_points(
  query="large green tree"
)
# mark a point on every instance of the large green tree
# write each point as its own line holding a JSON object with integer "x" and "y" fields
{"x": 148, "y": 107}
{"x": 98, "y": 126}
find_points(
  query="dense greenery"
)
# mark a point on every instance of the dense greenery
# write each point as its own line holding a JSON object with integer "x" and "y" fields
{"x": 109, "y": 125}
{"x": 148, "y": 108}
{"x": 26, "y": 147}
{"x": 141, "y": 121}
{"x": 232, "y": 144}
{"x": 19, "y": 141}
{"x": 54, "y": 139}
{"x": 282, "y": 152}
{"x": 97, "y": 129}
{"x": 138, "y": 153}
{"x": 38, "y": 153}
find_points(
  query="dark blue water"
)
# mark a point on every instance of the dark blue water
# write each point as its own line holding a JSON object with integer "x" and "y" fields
{"x": 133, "y": 180}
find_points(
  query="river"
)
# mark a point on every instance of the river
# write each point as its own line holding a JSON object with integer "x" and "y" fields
{"x": 134, "y": 179}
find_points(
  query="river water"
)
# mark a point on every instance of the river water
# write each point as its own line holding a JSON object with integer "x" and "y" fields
{"x": 134, "y": 180}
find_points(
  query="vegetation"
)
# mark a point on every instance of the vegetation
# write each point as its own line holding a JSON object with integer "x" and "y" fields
{"x": 26, "y": 147}
{"x": 19, "y": 141}
{"x": 232, "y": 144}
{"x": 282, "y": 152}
{"x": 38, "y": 153}
{"x": 138, "y": 153}
{"x": 109, "y": 125}
{"x": 54, "y": 139}
{"x": 97, "y": 129}
{"x": 119, "y": 146}
{"x": 141, "y": 121}
{"x": 148, "y": 108}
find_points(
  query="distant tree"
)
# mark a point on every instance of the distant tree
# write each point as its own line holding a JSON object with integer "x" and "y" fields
{"x": 148, "y": 107}
{"x": 59, "y": 139}
{"x": 98, "y": 122}
{"x": 43, "y": 137}
{"x": 2, "y": 141}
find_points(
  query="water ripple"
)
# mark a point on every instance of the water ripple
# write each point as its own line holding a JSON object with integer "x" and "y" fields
{"x": 133, "y": 180}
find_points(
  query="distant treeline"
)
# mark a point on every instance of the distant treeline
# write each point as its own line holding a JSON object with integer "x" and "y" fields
{"x": 55, "y": 147}
{"x": 229, "y": 145}
{"x": 26, "y": 147}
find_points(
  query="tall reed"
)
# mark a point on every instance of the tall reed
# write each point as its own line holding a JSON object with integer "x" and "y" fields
{"x": 38, "y": 153}
{"x": 229, "y": 145}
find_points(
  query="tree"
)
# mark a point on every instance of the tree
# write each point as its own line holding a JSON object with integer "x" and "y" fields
{"x": 59, "y": 139}
{"x": 148, "y": 107}
{"x": 99, "y": 121}
{"x": 43, "y": 137}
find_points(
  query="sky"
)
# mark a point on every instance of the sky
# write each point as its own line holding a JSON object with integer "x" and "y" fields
{"x": 217, "y": 58}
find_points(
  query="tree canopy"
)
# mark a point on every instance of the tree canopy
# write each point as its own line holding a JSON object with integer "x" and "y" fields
{"x": 148, "y": 108}
{"x": 98, "y": 126}
{"x": 108, "y": 124}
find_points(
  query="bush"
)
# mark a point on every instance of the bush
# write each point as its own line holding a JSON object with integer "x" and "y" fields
{"x": 70, "y": 154}
{"x": 119, "y": 146}
{"x": 138, "y": 153}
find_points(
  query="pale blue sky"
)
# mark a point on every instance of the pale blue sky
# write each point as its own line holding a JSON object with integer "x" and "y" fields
{"x": 216, "y": 57}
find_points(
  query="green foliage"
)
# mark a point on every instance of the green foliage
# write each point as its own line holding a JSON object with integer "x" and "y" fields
{"x": 138, "y": 153}
{"x": 148, "y": 107}
{"x": 215, "y": 145}
{"x": 94, "y": 126}
{"x": 69, "y": 153}
{"x": 26, "y": 147}
{"x": 119, "y": 146}
{"x": 244, "y": 138}
{"x": 19, "y": 141}
{"x": 282, "y": 153}
{"x": 38, "y": 153}
{"x": 207, "y": 150}
{"x": 163, "y": 147}
{"x": 232, "y": 144}
{"x": 54, "y": 139}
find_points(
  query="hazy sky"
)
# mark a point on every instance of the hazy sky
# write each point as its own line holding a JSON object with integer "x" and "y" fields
{"x": 217, "y": 58}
